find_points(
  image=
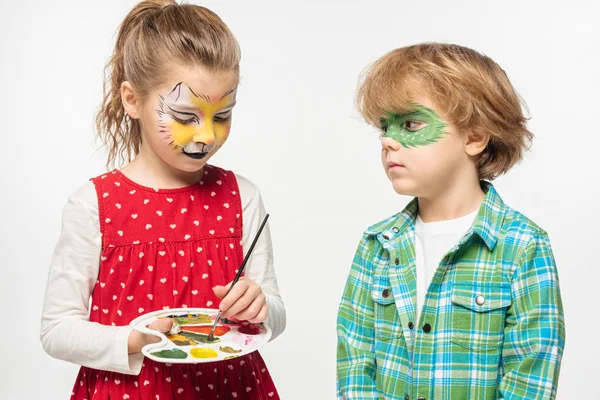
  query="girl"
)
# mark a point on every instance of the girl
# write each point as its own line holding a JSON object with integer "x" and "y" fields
{"x": 168, "y": 230}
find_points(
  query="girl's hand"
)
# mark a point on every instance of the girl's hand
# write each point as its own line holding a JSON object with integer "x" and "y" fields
{"x": 137, "y": 339}
{"x": 245, "y": 302}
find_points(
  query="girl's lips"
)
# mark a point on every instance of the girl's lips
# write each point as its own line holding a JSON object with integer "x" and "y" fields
{"x": 195, "y": 156}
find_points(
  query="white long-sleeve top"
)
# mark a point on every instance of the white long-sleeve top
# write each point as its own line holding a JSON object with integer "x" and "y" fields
{"x": 67, "y": 333}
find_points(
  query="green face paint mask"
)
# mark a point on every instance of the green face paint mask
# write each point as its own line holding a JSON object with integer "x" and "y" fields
{"x": 404, "y": 128}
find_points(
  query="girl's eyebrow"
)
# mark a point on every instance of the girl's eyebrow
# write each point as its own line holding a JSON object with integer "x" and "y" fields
{"x": 182, "y": 112}
{"x": 225, "y": 109}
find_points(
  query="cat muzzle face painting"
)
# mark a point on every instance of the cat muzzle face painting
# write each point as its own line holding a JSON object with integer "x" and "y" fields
{"x": 195, "y": 125}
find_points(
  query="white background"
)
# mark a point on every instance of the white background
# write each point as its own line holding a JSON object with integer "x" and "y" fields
{"x": 298, "y": 137}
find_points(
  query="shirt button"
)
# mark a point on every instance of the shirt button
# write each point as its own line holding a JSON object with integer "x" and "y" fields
{"x": 386, "y": 237}
{"x": 386, "y": 293}
{"x": 411, "y": 325}
{"x": 421, "y": 398}
{"x": 426, "y": 328}
{"x": 407, "y": 397}
{"x": 480, "y": 300}
{"x": 397, "y": 261}
{"x": 396, "y": 230}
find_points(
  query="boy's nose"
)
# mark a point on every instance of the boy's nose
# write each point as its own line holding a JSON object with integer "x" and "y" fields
{"x": 390, "y": 144}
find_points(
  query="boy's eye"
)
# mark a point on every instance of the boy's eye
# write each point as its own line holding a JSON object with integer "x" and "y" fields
{"x": 383, "y": 125}
{"x": 414, "y": 125}
{"x": 382, "y": 131}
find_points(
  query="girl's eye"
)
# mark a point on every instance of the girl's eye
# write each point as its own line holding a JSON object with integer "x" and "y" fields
{"x": 184, "y": 121}
{"x": 413, "y": 125}
{"x": 222, "y": 117}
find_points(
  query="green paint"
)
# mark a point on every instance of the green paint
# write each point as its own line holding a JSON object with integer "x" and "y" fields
{"x": 396, "y": 126}
{"x": 173, "y": 353}
{"x": 199, "y": 337}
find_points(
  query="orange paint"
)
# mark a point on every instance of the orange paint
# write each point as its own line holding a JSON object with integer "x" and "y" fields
{"x": 219, "y": 330}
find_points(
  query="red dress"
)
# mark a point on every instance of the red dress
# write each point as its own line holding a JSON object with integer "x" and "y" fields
{"x": 167, "y": 249}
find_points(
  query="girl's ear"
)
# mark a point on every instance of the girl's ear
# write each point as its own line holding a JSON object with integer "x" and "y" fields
{"x": 131, "y": 103}
{"x": 477, "y": 141}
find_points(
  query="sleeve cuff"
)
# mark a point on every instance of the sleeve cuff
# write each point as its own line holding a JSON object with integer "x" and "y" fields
{"x": 125, "y": 363}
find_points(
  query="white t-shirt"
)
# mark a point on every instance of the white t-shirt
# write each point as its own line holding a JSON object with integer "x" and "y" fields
{"x": 432, "y": 241}
{"x": 66, "y": 331}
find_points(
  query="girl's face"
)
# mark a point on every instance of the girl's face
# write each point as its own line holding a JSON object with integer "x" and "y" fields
{"x": 187, "y": 120}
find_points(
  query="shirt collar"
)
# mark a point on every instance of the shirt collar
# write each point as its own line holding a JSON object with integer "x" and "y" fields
{"x": 487, "y": 223}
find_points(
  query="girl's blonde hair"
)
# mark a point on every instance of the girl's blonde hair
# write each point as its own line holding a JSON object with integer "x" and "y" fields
{"x": 156, "y": 35}
{"x": 469, "y": 87}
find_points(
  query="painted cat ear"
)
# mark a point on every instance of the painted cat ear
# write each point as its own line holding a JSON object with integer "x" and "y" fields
{"x": 175, "y": 94}
{"x": 180, "y": 93}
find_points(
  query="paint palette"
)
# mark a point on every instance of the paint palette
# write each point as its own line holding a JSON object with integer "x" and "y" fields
{"x": 190, "y": 344}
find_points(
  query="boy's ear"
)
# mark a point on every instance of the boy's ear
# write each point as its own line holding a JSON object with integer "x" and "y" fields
{"x": 131, "y": 104}
{"x": 477, "y": 141}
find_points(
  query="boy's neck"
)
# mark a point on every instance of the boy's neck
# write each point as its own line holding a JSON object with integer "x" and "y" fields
{"x": 453, "y": 201}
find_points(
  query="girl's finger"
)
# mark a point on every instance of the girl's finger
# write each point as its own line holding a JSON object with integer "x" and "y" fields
{"x": 262, "y": 315}
{"x": 252, "y": 310}
{"x": 243, "y": 302}
{"x": 238, "y": 291}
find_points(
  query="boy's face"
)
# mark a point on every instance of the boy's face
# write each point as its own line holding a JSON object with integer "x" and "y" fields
{"x": 422, "y": 153}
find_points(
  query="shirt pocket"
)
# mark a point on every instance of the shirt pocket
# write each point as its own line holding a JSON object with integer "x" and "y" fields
{"x": 386, "y": 319}
{"x": 479, "y": 314}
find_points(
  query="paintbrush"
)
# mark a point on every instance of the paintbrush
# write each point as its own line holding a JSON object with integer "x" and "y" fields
{"x": 238, "y": 275}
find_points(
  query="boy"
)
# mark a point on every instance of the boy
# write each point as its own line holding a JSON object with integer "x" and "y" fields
{"x": 457, "y": 296}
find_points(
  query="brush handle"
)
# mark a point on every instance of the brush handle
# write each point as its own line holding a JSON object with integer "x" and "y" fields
{"x": 239, "y": 273}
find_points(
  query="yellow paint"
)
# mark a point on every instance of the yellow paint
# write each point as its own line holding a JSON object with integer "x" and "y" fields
{"x": 203, "y": 353}
{"x": 209, "y": 131}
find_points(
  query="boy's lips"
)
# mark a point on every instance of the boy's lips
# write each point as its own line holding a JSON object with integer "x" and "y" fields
{"x": 392, "y": 164}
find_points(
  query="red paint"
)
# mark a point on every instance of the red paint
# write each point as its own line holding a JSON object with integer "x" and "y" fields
{"x": 249, "y": 329}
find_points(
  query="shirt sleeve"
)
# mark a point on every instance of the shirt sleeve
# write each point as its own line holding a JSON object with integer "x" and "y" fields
{"x": 534, "y": 336}
{"x": 66, "y": 332}
{"x": 260, "y": 267}
{"x": 356, "y": 365}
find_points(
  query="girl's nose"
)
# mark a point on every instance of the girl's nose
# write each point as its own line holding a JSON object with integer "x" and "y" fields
{"x": 205, "y": 134}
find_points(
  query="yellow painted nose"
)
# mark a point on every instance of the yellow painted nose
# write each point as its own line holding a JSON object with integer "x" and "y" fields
{"x": 205, "y": 134}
